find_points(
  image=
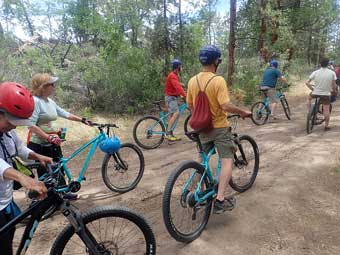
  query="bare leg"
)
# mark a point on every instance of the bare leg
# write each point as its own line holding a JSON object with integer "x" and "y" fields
{"x": 326, "y": 114}
{"x": 225, "y": 175}
{"x": 272, "y": 108}
{"x": 172, "y": 120}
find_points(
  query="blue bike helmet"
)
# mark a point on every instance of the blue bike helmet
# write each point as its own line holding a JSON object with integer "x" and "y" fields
{"x": 274, "y": 63}
{"x": 208, "y": 54}
{"x": 176, "y": 63}
{"x": 110, "y": 145}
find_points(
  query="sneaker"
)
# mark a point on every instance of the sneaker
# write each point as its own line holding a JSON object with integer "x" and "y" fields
{"x": 227, "y": 205}
{"x": 71, "y": 196}
{"x": 327, "y": 128}
{"x": 173, "y": 138}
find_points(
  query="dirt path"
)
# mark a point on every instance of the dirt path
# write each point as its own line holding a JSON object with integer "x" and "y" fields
{"x": 292, "y": 208}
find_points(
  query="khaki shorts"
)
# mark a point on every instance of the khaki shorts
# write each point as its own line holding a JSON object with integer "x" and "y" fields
{"x": 325, "y": 100}
{"x": 223, "y": 141}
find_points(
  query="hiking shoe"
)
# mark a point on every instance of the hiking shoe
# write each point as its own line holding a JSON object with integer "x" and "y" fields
{"x": 173, "y": 138}
{"x": 327, "y": 128}
{"x": 227, "y": 205}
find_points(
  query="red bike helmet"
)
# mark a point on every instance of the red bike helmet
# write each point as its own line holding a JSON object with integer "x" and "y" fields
{"x": 16, "y": 100}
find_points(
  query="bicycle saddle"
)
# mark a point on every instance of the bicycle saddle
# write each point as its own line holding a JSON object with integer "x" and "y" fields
{"x": 193, "y": 135}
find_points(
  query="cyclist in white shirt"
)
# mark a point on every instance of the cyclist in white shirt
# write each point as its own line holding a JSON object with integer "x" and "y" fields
{"x": 324, "y": 86}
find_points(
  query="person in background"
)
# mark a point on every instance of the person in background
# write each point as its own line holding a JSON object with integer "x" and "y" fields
{"x": 325, "y": 86}
{"x": 269, "y": 80}
{"x": 43, "y": 129}
{"x": 173, "y": 89}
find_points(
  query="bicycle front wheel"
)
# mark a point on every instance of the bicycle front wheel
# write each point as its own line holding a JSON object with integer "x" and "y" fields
{"x": 122, "y": 171}
{"x": 285, "y": 106}
{"x": 259, "y": 113}
{"x": 184, "y": 218}
{"x": 246, "y": 164}
{"x": 187, "y": 127}
{"x": 115, "y": 230}
{"x": 149, "y": 132}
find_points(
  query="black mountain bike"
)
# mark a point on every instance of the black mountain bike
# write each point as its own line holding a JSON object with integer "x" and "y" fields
{"x": 315, "y": 115}
{"x": 102, "y": 230}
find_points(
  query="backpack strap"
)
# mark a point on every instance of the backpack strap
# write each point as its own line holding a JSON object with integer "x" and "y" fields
{"x": 206, "y": 85}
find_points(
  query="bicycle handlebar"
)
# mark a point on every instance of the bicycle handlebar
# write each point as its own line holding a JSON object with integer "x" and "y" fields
{"x": 100, "y": 125}
{"x": 49, "y": 182}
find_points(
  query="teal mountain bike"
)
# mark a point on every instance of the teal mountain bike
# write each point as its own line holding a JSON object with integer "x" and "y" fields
{"x": 192, "y": 186}
{"x": 261, "y": 109}
{"x": 101, "y": 230}
{"x": 149, "y": 131}
{"x": 121, "y": 171}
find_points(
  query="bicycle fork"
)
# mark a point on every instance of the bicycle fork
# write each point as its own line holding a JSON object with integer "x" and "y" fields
{"x": 74, "y": 216}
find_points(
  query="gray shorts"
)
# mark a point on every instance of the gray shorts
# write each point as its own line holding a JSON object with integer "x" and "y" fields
{"x": 172, "y": 103}
{"x": 271, "y": 93}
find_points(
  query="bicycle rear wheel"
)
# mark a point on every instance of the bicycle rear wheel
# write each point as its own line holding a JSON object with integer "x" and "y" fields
{"x": 311, "y": 119}
{"x": 122, "y": 171}
{"x": 285, "y": 106}
{"x": 183, "y": 217}
{"x": 246, "y": 164}
{"x": 149, "y": 132}
{"x": 116, "y": 230}
{"x": 260, "y": 113}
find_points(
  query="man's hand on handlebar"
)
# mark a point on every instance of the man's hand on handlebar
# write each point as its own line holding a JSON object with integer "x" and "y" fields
{"x": 44, "y": 160}
{"x": 35, "y": 186}
{"x": 245, "y": 114}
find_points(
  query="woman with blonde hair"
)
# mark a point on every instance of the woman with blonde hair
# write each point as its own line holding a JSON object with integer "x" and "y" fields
{"x": 43, "y": 128}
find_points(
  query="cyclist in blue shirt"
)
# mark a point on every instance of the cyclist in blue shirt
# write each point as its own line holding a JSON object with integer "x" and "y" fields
{"x": 269, "y": 80}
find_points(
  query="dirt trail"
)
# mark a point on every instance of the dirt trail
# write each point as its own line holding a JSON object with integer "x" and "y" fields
{"x": 292, "y": 208}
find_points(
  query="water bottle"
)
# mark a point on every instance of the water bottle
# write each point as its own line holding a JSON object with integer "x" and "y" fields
{"x": 63, "y": 133}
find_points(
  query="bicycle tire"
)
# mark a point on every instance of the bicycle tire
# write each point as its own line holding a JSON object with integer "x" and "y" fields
{"x": 170, "y": 218}
{"x": 121, "y": 214}
{"x": 124, "y": 166}
{"x": 285, "y": 106}
{"x": 310, "y": 119}
{"x": 187, "y": 127}
{"x": 139, "y": 133}
{"x": 243, "y": 160}
{"x": 259, "y": 113}
{"x": 53, "y": 208}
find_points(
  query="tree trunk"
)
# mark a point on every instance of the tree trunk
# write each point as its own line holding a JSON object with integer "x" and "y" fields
{"x": 27, "y": 19}
{"x": 180, "y": 28}
{"x": 232, "y": 42}
{"x": 1, "y": 30}
{"x": 263, "y": 25}
{"x": 166, "y": 40}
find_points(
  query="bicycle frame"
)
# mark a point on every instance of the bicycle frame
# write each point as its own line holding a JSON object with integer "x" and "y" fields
{"x": 163, "y": 117}
{"x": 279, "y": 94}
{"x": 37, "y": 210}
{"x": 63, "y": 161}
